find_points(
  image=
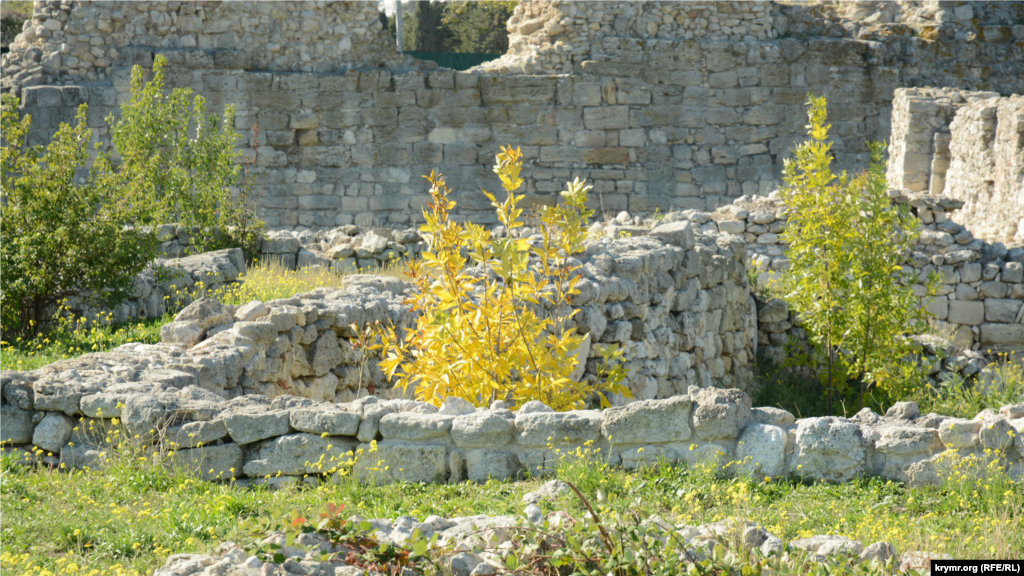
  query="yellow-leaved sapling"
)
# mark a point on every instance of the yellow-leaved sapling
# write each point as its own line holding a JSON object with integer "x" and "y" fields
{"x": 495, "y": 312}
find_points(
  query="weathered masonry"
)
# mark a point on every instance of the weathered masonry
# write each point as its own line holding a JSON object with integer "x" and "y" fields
{"x": 661, "y": 105}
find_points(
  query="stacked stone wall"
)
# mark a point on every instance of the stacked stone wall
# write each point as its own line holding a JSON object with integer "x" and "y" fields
{"x": 72, "y": 42}
{"x": 670, "y": 120}
{"x": 964, "y": 145}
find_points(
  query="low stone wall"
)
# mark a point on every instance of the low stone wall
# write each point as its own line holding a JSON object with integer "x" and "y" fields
{"x": 169, "y": 284}
{"x": 391, "y": 440}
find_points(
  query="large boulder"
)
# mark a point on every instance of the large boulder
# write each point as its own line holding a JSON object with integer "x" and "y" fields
{"x": 539, "y": 429}
{"x": 298, "y": 454}
{"x": 761, "y": 450}
{"x": 485, "y": 429}
{"x": 830, "y": 449}
{"x": 16, "y": 425}
{"x": 720, "y": 413}
{"x": 649, "y": 421}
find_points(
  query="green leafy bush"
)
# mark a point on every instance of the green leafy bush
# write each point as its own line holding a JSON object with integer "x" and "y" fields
{"x": 848, "y": 244}
{"x": 183, "y": 162}
{"x": 62, "y": 234}
{"x": 70, "y": 233}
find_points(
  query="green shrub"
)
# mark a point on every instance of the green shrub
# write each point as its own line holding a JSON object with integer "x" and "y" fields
{"x": 183, "y": 163}
{"x": 66, "y": 233}
{"x": 848, "y": 244}
{"x": 62, "y": 235}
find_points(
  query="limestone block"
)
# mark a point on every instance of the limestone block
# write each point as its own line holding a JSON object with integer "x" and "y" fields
{"x": 16, "y": 426}
{"x": 195, "y": 434}
{"x": 606, "y": 117}
{"x": 538, "y": 429}
{"x": 455, "y": 406}
{"x": 397, "y": 461}
{"x": 761, "y": 451}
{"x": 415, "y": 426}
{"x": 320, "y": 420}
{"x": 206, "y": 312}
{"x": 279, "y": 244}
{"x": 957, "y": 433}
{"x": 1002, "y": 334}
{"x": 776, "y": 310}
{"x": 676, "y": 233}
{"x": 82, "y": 456}
{"x": 297, "y": 454}
{"x": 1002, "y": 310}
{"x": 830, "y": 449}
{"x": 143, "y": 415}
{"x": 53, "y": 432}
{"x": 484, "y": 429}
{"x": 209, "y": 462}
{"x": 720, "y": 413}
{"x": 649, "y": 421}
{"x": 186, "y": 334}
{"x": 262, "y": 333}
{"x": 829, "y": 545}
{"x": 534, "y": 406}
{"x": 248, "y": 428}
{"x": 772, "y": 416}
{"x": 324, "y": 353}
{"x": 251, "y": 312}
{"x": 482, "y": 465}
{"x": 970, "y": 313}
{"x": 996, "y": 434}
{"x": 909, "y": 441}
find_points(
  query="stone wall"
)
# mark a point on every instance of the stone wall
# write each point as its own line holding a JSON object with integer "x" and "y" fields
{"x": 168, "y": 285}
{"x": 671, "y": 120}
{"x": 71, "y": 42}
{"x": 964, "y": 145}
{"x": 981, "y": 294}
{"x": 271, "y": 441}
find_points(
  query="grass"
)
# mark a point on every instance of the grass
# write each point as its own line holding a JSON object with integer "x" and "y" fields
{"x": 127, "y": 518}
{"x": 69, "y": 338}
{"x": 804, "y": 395}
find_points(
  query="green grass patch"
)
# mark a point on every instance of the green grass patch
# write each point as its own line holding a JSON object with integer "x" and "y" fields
{"x": 128, "y": 518}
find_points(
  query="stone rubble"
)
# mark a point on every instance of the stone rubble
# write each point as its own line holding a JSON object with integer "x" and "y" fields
{"x": 470, "y": 546}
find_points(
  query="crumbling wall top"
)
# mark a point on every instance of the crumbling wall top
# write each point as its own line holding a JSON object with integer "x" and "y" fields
{"x": 69, "y": 42}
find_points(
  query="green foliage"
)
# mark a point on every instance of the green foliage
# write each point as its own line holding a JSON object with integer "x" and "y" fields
{"x": 182, "y": 162}
{"x": 63, "y": 234}
{"x": 13, "y": 14}
{"x": 478, "y": 27}
{"x": 1002, "y": 383}
{"x": 458, "y": 26}
{"x": 425, "y": 32}
{"x": 498, "y": 331}
{"x": 70, "y": 338}
{"x": 848, "y": 244}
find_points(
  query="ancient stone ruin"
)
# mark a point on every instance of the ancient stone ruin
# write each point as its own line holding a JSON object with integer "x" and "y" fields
{"x": 680, "y": 115}
{"x": 660, "y": 105}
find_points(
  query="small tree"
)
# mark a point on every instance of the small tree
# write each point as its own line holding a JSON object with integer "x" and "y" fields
{"x": 183, "y": 162}
{"x": 848, "y": 244}
{"x": 498, "y": 330}
{"x": 62, "y": 234}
